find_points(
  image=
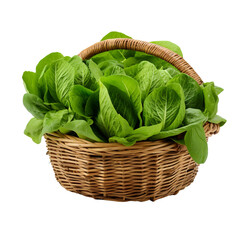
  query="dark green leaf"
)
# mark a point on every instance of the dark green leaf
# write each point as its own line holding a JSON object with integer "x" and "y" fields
{"x": 108, "y": 120}
{"x": 196, "y": 143}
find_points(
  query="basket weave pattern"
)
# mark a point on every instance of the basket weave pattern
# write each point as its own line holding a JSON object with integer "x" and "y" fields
{"x": 149, "y": 170}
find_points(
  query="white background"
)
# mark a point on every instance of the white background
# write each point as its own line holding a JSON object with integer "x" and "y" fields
{"x": 32, "y": 203}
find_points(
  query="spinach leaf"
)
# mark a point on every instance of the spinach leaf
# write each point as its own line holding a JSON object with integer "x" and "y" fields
{"x": 35, "y": 105}
{"x": 31, "y": 83}
{"x": 128, "y": 102}
{"x": 192, "y": 91}
{"x": 192, "y": 117}
{"x": 196, "y": 143}
{"x": 78, "y": 97}
{"x": 82, "y": 129}
{"x": 171, "y": 46}
{"x": 218, "y": 120}
{"x": 108, "y": 120}
{"x": 211, "y": 100}
{"x": 165, "y": 105}
{"x": 34, "y": 129}
{"x": 139, "y": 134}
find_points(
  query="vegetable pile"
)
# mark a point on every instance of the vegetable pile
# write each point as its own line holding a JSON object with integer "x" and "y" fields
{"x": 120, "y": 96}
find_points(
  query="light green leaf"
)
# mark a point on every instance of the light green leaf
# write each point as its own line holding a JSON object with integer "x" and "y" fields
{"x": 196, "y": 143}
{"x": 165, "y": 105}
{"x": 31, "y": 83}
{"x": 47, "y": 61}
{"x": 53, "y": 120}
{"x": 82, "y": 73}
{"x": 34, "y": 129}
{"x": 96, "y": 74}
{"x": 148, "y": 78}
{"x": 108, "y": 120}
{"x": 114, "y": 70}
{"x": 35, "y": 105}
{"x": 60, "y": 78}
{"x": 82, "y": 129}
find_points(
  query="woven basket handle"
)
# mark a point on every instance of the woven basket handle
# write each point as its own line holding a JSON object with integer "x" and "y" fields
{"x": 137, "y": 45}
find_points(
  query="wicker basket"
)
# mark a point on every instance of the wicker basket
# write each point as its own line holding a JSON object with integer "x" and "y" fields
{"x": 149, "y": 170}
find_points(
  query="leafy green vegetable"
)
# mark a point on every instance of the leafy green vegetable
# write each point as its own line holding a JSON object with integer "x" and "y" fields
{"x": 121, "y": 96}
{"x": 218, "y": 120}
{"x": 210, "y": 100}
{"x": 192, "y": 91}
{"x": 108, "y": 120}
{"x": 168, "y": 105}
{"x": 82, "y": 129}
{"x": 35, "y": 105}
{"x": 78, "y": 99}
{"x": 34, "y": 129}
{"x": 196, "y": 143}
{"x": 31, "y": 83}
{"x": 127, "y": 88}
{"x": 192, "y": 118}
{"x": 139, "y": 134}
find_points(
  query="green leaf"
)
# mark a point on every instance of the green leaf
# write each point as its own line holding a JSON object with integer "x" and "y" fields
{"x": 148, "y": 78}
{"x": 92, "y": 104}
{"x": 125, "y": 95}
{"x": 31, "y": 83}
{"x": 173, "y": 72}
{"x": 139, "y": 134}
{"x": 82, "y": 129}
{"x": 47, "y": 61}
{"x": 196, "y": 143}
{"x": 218, "y": 120}
{"x": 108, "y": 120}
{"x": 217, "y": 89}
{"x": 34, "y": 129}
{"x": 55, "y": 106}
{"x": 96, "y": 74}
{"x": 53, "y": 120}
{"x": 210, "y": 100}
{"x": 192, "y": 117}
{"x": 35, "y": 105}
{"x": 82, "y": 73}
{"x": 114, "y": 70}
{"x": 60, "y": 78}
{"x": 165, "y": 105}
{"x": 78, "y": 96}
{"x": 113, "y": 35}
{"x": 192, "y": 91}
{"x": 171, "y": 46}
